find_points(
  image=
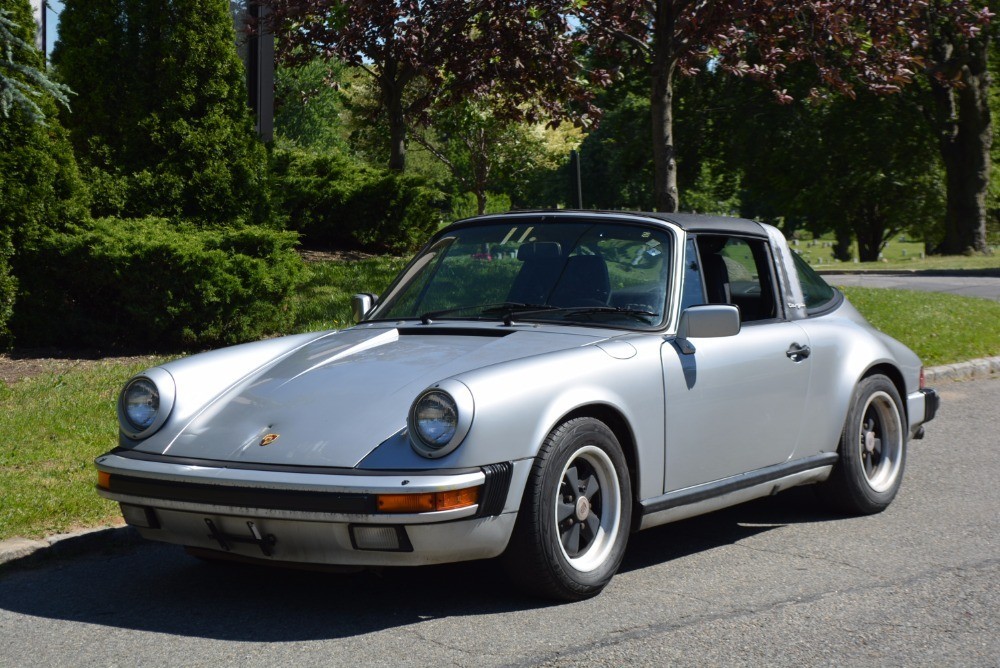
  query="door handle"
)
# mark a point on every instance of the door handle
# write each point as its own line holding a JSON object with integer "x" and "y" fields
{"x": 798, "y": 353}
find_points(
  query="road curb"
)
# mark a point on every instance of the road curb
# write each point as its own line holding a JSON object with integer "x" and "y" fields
{"x": 17, "y": 552}
{"x": 977, "y": 368}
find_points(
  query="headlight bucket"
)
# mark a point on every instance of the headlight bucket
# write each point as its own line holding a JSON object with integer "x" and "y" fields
{"x": 440, "y": 418}
{"x": 145, "y": 403}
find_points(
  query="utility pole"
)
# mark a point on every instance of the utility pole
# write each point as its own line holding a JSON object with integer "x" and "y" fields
{"x": 576, "y": 189}
{"x": 260, "y": 73}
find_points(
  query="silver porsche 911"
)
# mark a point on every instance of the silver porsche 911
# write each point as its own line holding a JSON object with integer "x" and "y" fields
{"x": 535, "y": 385}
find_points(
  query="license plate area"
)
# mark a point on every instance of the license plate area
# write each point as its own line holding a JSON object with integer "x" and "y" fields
{"x": 253, "y": 536}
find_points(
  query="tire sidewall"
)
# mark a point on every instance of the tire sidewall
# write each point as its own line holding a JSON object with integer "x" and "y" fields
{"x": 864, "y": 496}
{"x": 563, "y": 445}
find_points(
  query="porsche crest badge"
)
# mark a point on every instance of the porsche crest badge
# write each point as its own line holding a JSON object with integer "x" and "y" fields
{"x": 268, "y": 440}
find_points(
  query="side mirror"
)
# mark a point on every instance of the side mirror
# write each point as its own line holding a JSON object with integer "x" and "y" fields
{"x": 707, "y": 322}
{"x": 361, "y": 304}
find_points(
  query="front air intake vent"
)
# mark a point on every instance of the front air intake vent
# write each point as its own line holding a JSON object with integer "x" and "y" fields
{"x": 495, "y": 488}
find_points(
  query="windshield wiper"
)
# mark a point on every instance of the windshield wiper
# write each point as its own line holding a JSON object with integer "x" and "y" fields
{"x": 497, "y": 307}
{"x": 639, "y": 314}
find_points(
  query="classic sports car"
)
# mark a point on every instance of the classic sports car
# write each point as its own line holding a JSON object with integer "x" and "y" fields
{"x": 536, "y": 385}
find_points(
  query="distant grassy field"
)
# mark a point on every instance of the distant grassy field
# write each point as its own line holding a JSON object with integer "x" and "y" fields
{"x": 899, "y": 255}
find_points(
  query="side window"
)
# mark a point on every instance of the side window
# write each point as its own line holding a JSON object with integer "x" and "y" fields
{"x": 817, "y": 293}
{"x": 693, "y": 290}
{"x": 738, "y": 271}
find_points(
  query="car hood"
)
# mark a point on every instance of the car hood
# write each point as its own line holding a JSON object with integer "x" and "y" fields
{"x": 334, "y": 400}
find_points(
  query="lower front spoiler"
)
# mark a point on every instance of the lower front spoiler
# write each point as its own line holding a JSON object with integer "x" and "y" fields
{"x": 330, "y": 543}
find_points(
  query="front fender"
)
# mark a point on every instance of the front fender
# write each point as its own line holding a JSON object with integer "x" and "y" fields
{"x": 518, "y": 403}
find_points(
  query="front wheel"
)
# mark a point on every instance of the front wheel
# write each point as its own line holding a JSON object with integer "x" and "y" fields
{"x": 872, "y": 450}
{"x": 574, "y": 520}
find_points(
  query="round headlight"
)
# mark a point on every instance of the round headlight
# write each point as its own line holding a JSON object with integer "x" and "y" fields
{"x": 146, "y": 402}
{"x": 440, "y": 418}
{"x": 435, "y": 417}
{"x": 140, "y": 403}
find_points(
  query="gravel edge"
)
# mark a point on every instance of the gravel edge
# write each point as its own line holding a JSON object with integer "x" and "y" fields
{"x": 19, "y": 552}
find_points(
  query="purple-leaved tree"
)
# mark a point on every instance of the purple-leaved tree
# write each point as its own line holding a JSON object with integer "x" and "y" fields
{"x": 424, "y": 53}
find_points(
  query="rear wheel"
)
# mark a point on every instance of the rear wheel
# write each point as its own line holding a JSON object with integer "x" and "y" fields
{"x": 574, "y": 521}
{"x": 872, "y": 450}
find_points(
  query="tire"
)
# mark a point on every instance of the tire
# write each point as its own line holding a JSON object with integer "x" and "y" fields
{"x": 872, "y": 450}
{"x": 576, "y": 513}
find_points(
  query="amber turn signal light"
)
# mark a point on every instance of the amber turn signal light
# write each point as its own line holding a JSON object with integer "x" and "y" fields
{"x": 104, "y": 480}
{"x": 428, "y": 502}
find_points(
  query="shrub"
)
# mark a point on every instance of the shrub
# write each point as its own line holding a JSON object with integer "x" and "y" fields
{"x": 8, "y": 289}
{"x": 465, "y": 205}
{"x": 161, "y": 108}
{"x": 336, "y": 202}
{"x": 153, "y": 284}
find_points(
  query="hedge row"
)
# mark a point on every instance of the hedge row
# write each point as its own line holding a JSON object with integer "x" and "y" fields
{"x": 337, "y": 202}
{"x": 153, "y": 284}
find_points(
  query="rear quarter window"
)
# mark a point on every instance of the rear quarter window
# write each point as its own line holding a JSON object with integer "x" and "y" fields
{"x": 818, "y": 294}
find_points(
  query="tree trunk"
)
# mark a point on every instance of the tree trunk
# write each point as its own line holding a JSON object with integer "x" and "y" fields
{"x": 392, "y": 87}
{"x": 870, "y": 231}
{"x": 842, "y": 247}
{"x": 665, "y": 193}
{"x": 397, "y": 131}
{"x": 966, "y": 135}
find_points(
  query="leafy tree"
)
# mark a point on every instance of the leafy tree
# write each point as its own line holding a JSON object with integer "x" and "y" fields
{"x": 485, "y": 150}
{"x": 424, "y": 54}
{"x": 162, "y": 110}
{"x": 864, "y": 168}
{"x": 959, "y": 73}
{"x": 21, "y": 78}
{"x": 40, "y": 187}
{"x": 310, "y": 107}
{"x": 845, "y": 43}
{"x": 617, "y": 164}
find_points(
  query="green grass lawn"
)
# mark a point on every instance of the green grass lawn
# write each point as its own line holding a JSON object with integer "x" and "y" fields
{"x": 940, "y": 328}
{"x": 54, "y": 424}
{"x": 324, "y": 299}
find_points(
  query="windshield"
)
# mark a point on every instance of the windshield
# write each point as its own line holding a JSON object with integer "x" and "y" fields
{"x": 582, "y": 272}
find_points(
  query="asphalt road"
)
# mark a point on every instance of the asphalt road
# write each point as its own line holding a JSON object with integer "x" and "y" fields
{"x": 776, "y": 582}
{"x": 970, "y": 284}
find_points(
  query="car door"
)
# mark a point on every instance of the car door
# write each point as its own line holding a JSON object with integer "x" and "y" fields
{"x": 736, "y": 403}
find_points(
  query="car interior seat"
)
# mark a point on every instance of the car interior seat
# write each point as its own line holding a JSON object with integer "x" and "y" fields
{"x": 584, "y": 282}
{"x": 714, "y": 270}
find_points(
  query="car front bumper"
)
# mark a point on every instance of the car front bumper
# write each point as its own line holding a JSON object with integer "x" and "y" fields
{"x": 320, "y": 516}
